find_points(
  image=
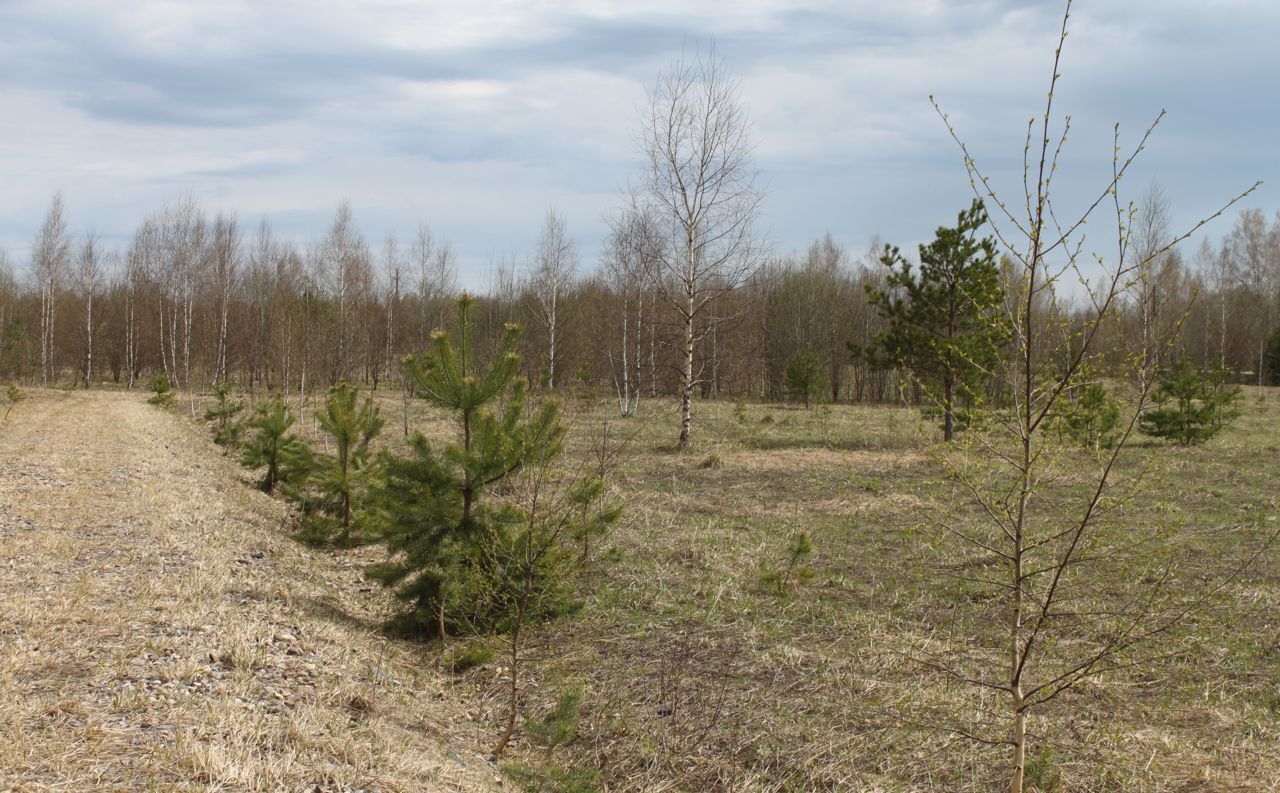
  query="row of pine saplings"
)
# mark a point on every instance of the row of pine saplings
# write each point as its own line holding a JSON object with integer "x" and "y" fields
{"x": 485, "y": 534}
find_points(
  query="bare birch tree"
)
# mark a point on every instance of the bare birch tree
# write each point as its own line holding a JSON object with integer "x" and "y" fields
{"x": 8, "y": 304}
{"x": 225, "y": 253}
{"x": 633, "y": 245}
{"x": 89, "y": 277}
{"x": 182, "y": 237}
{"x": 50, "y": 260}
{"x": 1254, "y": 261}
{"x": 1152, "y": 282}
{"x": 342, "y": 262}
{"x": 265, "y": 358}
{"x": 700, "y": 181}
{"x": 137, "y": 267}
{"x": 554, "y": 268}
{"x": 393, "y": 272}
{"x": 432, "y": 264}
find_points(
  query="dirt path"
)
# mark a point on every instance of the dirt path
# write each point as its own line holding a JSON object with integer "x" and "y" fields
{"x": 158, "y": 633}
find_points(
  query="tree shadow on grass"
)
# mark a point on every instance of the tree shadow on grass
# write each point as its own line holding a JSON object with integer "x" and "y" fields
{"x": 327, "y": 608}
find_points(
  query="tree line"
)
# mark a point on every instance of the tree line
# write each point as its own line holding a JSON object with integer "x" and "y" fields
{"x": 202, "y": 299}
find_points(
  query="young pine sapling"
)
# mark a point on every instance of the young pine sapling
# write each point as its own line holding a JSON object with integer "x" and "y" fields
{"x": 229, "y": 427}
{"x": 13, "y": 396}
{"x": 161, "y": 390}
{"x": 342, "y": 477}
{"x": 1189, "y": 407}
{"x": 286, "y": 458}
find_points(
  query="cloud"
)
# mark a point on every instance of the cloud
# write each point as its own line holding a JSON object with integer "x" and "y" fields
{"x": 477, "y": 116}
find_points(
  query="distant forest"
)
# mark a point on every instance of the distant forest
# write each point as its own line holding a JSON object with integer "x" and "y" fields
{"x": 205, "y": 298}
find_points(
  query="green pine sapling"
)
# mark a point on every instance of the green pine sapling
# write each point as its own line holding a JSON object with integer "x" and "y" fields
{"x": 595, "y": 517}
{"x": 533, "y": 561}
{"x": 807, "y": 377}
{"x": 229, "y": 427}
{"x": 343, "y": 476}
{"x": 945, "y": 325}
{"x": 794, "y": 571}
{"x": 163, "y": 392}
{"x": 1190, "y": 407}
{"x": 557, "y": 728}
{"x": 14, "y": 396}
{"x": 285, "y": 456}
{"x": 480, "y": 532}
{"x": 437, "y": 510}
{"x": 1093, "y": 419}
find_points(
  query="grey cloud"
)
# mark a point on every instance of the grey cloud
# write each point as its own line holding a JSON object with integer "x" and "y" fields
{"x": 1211, "y": 68}
{"x": 113, "y": 80}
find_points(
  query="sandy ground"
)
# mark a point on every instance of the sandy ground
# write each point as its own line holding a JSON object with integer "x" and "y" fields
{"x": 158, "y": 632}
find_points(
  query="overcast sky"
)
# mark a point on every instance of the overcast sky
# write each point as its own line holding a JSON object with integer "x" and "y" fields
{"x": 477, "y": 116}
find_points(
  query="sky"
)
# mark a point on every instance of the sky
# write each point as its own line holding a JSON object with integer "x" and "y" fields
{"x": 477, "y": 117}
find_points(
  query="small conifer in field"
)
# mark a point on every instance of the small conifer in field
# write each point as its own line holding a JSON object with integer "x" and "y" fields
{"x": 1271, "y": 358}
{"x": 807, "y": 377}
{"x": 560, "y": 725}
{"x": 480, "y": 532}
{"x": 1093, "y": 420}
{"x": 595, "y": 516}
{"x": 341, "y": 478}
{"x": 163, "y": 392}
{"x": 286, "y": 458}
{"x": 13, "y": 395}
{"x": 229, "y": 427}
{"x": 438, "y": 512}
{"x": 793, "y": 571}
{"x": 1190, "y": 407}
{"x": 944, "y": 321}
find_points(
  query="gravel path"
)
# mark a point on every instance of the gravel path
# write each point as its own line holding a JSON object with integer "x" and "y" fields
{"x": 157, "y": 632}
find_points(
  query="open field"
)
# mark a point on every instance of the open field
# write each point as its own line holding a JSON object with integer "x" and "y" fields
{"x": 128, "y": 534}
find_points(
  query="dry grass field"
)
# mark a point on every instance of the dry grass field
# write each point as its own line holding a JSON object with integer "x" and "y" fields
{"x": 160, "y": 630}
{"x": 700, "y": 678}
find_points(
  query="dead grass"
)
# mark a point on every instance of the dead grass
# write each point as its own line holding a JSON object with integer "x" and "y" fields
{"x": 698, "y": 678}
{"x": 157, "y": 631}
